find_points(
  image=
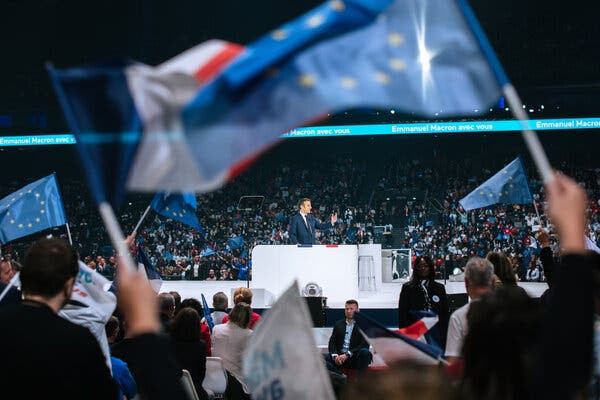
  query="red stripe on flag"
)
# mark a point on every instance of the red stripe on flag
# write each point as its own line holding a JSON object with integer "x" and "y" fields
{"x": 331, "y": 245}
{"x": 212, "y": 67}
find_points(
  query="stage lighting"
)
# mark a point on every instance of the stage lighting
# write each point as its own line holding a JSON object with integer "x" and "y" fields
{"x": 311, "y": 289}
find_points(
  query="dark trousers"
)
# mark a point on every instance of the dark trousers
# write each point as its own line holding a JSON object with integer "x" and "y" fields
{"x": 359, "y": 360}
{"x": 234, "y": 390}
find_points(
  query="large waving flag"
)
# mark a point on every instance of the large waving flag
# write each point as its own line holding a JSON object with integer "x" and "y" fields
{"x": 179, "y": 207}
{"x": 392, "y": 346}
{"x": 109, "y": 108}
{"x": 422, "y": 57}
{"x": 32, "y": 208}
{"x": 508, "y": 186}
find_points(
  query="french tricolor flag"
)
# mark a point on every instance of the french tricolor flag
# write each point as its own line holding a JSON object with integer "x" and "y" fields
{"x": 401, "y": 344}
{"x": 128, "y": 121}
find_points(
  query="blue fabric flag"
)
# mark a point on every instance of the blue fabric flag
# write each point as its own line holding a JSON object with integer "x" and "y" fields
{"x": 413, "y": 55}
{"x": 235, "y": 242}
{"x": 426, "y": 57}
{"x": 179, "y": 207}
{"x": 207, "y": 252}
{"x": 32, "y": 208}
{"x": 102, "y": 116}
{"x": 207, "y": 316}
{"x": 508, "y": 186}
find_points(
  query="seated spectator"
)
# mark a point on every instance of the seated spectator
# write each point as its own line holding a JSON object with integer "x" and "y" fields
{"x": 423, "y": 293}
{"x": 166, "y": 309}
{"x": 347, "y": 346}
{"x": 229, "y": 342}
{"x": 177, "y": 299}
{"x": 244, "y": 295}
{"x": 479, "y": 280}
{"x": 190, "y": 350}
{"x": 220, "y": 303}
{"x": 120, "y": 370}
{"x": 204, "y": 329}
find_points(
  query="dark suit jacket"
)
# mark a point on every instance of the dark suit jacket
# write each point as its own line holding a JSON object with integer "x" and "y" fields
{"x": 13, "y": 296}
{"x": 48, "y": 357}
{"x": 336, "y": 341}
{"x": 300, "y": 233}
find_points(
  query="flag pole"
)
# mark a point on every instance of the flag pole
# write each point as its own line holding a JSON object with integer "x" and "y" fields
{"x": 116, "y": 234}
{"x": 530, "y": 136}
{"x": 141, "y": 219}
{"x": 516, "y": 105}
{"x": 10, "y": 284}
{"x": 69, "y": 234}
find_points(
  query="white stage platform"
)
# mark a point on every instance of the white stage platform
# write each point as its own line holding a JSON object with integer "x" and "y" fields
{"x": 385, "y": 297}
{"x": 343, "y": 272}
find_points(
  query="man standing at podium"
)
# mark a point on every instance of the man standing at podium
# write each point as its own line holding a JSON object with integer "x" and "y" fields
{"x": 303, "y": 224}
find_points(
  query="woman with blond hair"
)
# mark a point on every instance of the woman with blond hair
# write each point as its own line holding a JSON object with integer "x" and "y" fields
{"x": 244, "y": 295}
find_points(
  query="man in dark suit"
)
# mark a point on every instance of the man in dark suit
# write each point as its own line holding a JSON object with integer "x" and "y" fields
{"x": 13, "y": 296}
{"x": 303, "y": 225}
{"x": 347, "y": 346}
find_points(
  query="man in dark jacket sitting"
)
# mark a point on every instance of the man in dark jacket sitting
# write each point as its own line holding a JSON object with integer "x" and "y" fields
{"x": 347, "y": 346}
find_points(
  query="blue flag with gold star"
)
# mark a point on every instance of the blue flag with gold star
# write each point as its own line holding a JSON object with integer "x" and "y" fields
{"x": 414, "y": 55}
{"x": 508, "y": 186}
{"x": 178, "y": 207}
{"x": 31, "y": 209}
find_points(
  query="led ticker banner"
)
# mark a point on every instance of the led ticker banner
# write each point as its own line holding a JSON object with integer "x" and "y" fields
{"x": 358, "y": 130}
{"x": 445, "y": 127}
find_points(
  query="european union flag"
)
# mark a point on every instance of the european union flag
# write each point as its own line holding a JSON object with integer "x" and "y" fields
{"x": 417, "y": 56}
{"x": 178, "y": 207}
{"x": 236, "y": 242}
{"x": 509, "y": 186}
{"x": 32, "y": 208}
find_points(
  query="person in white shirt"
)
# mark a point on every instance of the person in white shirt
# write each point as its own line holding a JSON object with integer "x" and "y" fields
{"x": 229, "y": 341}
{"x": 479, "y": 280}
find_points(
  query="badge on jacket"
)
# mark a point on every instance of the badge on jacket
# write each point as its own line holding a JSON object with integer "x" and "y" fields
{"x": 435, "y": 298}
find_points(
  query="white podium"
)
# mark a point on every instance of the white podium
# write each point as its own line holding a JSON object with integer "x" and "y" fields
{"x": 334, "y": 268}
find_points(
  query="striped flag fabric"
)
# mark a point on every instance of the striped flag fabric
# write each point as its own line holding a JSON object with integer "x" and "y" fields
{"x": 392, "y": 346}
